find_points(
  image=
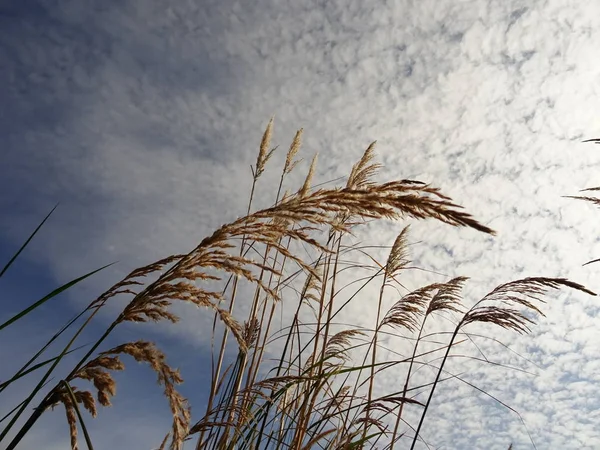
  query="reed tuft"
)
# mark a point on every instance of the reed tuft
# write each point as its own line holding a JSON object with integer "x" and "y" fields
{"x": 296, "y": 374}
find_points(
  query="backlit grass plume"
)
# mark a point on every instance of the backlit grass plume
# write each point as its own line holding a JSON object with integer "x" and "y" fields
{"x": 286, "y": 371}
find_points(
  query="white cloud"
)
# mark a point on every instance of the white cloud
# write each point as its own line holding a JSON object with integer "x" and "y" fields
{"x": 142, "y": 120}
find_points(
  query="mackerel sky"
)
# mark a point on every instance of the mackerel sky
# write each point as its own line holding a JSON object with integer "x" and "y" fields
{"x": 142, "y": 118}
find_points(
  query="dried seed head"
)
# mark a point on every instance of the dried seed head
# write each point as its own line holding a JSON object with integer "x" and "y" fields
{"x": 309, "y": 176}
{"x": 125, "y": 285}
{"x": 251, "y": 332}
{"x": 87, "y": 400}
{"x": 363, "y": 170}
{"x": 234, "y": 327}
{"x": 338, "y": 344}
{"x": 586, "y": 198}
{"x": 164, "y": 442}
{"x": 61, "y": 394}
{"x": 398, "y": 258}
{"x": 96, "y": 371}
{"x": 406, "y": 312}
{"x": 595, "y": 141}
{"x": 264, "y": 154}
{"x": 312, "y": 285}
{"x": 447, "y": 297}
{"x": 72, "y": 421}
{"x": 340, "y": 399}
{"x": 147, "y": 352}
{"x": 289, "y": 160}
{"x": 519, "y": 294}
{"x": 103, "y": 382}
{"x": 370, "y": 421}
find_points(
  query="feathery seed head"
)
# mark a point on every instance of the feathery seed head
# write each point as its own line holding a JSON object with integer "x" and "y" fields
{"x": 294, "y": 148}
{"x": 309, "y": 176}
{"x": 264, "y": 154}
{"x": 363, "y": 170}
{"x": 398, "y": 258}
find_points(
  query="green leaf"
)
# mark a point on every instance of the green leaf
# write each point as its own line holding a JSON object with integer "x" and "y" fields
{"x": 8, "y": 414}
{"x": 33, "y": 368}
{"x": 360, "y": 442}
{"x": 43, "y": 349}
{"x": 13, "y": 259}
{"x": 52, "y": 294}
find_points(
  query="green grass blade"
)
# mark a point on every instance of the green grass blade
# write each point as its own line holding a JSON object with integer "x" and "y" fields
{"x": 24, "y": 372}
{"x": 8, "y": 414}
{"x": 359, "y": 444}
{"x": 52, "y": 294}
{"x": 38, "y": 411}
{"x": 50, "y": 341}
{"x": 16, "y": 255}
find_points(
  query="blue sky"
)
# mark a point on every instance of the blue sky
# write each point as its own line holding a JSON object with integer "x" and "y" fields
{"x": 142, "y": 119}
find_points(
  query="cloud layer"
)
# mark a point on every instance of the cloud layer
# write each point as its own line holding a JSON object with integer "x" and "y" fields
{"x": 143, "y": 120}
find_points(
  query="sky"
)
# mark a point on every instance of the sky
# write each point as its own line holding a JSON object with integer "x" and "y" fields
{"x": 141, "y": 119}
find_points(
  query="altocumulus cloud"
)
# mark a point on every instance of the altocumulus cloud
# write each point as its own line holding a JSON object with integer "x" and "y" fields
{"x": 142, "y": 119}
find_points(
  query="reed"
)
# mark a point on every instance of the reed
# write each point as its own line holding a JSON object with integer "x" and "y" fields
{"x": 310, "y": 381}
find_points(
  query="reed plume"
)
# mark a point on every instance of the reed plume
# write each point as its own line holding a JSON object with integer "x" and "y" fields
{"x": 310, "y": 382}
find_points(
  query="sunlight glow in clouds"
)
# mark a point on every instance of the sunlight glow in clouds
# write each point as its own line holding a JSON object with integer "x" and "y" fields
{"x": 142, "y": 120}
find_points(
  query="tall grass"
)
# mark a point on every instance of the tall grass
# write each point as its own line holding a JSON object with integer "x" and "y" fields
{"x": 287, "y": 372}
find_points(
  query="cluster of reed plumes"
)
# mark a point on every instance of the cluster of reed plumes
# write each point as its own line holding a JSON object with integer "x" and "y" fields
{"x": 316, "y": 386}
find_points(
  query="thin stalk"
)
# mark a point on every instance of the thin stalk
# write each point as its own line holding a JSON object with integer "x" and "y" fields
{"x": 31, "y": 236}
{"x": 256, "y": 360}
{"x": 412, "y": 360}
{"x": 289, "y": 338}
{"x": 23, "y": 370}
{"x": 331, "y": 298}
{"x": 437, "y": 377}
{"x": 374, "y": 354}
{"x": 254, "y": 307}
{"x": 35, "y": 367}
{"x": 86, "y": 435}
{"x": 326, "y": 330}
{"x": 299, "y": 433}
{"x": 39, "y": 410}
{"x": 217, "y": 369}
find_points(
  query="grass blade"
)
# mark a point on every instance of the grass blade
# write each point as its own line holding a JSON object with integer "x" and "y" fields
{"x": 86, "y": 435}
{"x": 8, "y": 414}
{"x": 16, "y": 255}
{"x": 23, "y": 372}
{"x": 43, "y": 349}
{"x": 51, "y": 295}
